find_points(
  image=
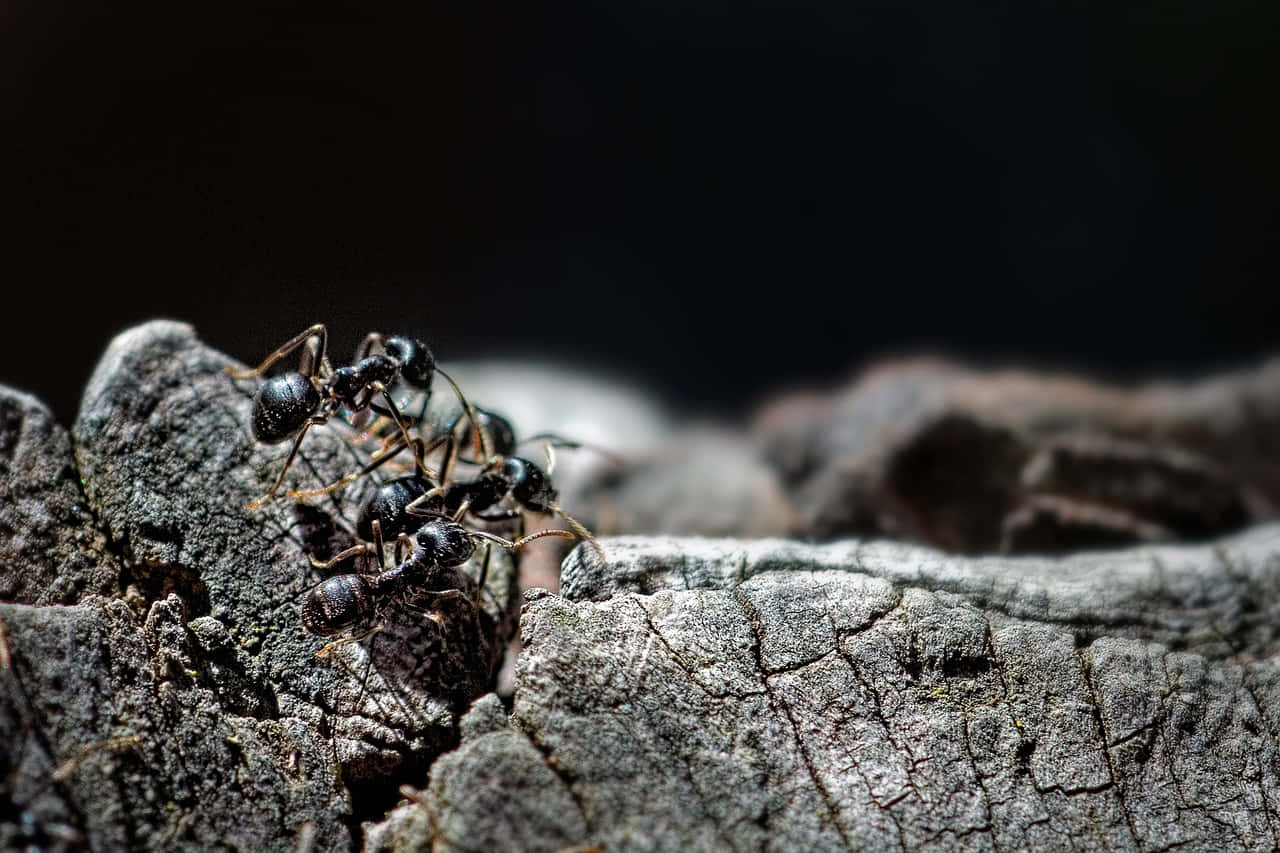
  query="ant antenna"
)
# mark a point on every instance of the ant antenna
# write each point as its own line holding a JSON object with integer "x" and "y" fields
{"x": 582, "y": 532}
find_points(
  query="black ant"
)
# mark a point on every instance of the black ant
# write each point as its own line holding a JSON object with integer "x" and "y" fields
{"x": 492, "y": 437}
{"x": 515, "y": 477}
{"x": 398, "y": 505}
{"x": 526, "y": 482}
{"x": 440, "y": 546}
{"x": 290, "y": 404}
{"x": 493, "y": 434}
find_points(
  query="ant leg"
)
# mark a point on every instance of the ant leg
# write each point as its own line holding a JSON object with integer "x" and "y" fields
{"x": 370, "y": 423}
{"x": 312, "y": 421}
{"x": 450, "y": 456}
{"x": 438, "y": 595}
{"x": 384, "y": 414}
{"x": 368, "y": 666}
{"x": 366, "y": 346}
{"x": 315, "y": 359}
{"x": 327, "y": 650}
{"x": 63, "y": 771}
{"x": 462, "y": 511}
{"x": 423, "y": 448}
{"x": 375, "y": 547}
{"x": 405, "y": 541}
{"x": 379, "y": 388}
{"x": 378, "y": 459}
{"x": 414, "y": 506}
{"x": 433, "y": 616}
{"x": 318, "y": 330}
{"x": 523, "y": 540}
{"x": 481, "y": 433}
{"x": 378, "y": 546}
{"x": 342, "y": 556}
{"x": 484, "y": 574}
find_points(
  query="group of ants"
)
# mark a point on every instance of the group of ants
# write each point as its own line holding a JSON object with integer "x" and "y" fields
{"x": 430, "y": 513}
{"x": 465, "y": 471}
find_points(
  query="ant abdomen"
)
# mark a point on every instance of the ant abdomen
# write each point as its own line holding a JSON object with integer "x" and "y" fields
{"x": 387, "y": 507}
{"x": 283, "y": 405}
{"x": 501, "y": 432}
{"x": 502, "y": 435}
{"x": 336, "y": 605}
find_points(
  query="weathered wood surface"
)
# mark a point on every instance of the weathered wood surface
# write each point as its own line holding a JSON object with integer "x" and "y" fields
{"x": 689, "y": 693}
{"x": 766, "y": 695}
{"x": 208, "y": 717}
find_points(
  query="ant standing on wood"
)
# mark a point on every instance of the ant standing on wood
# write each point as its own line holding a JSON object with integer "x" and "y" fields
{"x": 399, "y": 504}
{"x": 344, "y": 602}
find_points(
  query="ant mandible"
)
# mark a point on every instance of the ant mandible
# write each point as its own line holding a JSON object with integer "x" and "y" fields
{"x": 290, "y": 404}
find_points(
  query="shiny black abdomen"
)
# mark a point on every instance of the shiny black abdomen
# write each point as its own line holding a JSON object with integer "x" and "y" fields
{"x": 283, "y": 405}
{"x": 387, "y": 506}
{"x": 335, "y": 605}
{"x": 501, "y": 433}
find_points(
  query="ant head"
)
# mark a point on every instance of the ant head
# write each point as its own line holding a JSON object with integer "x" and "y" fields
{"x": 417, "y": 363}
{"x": 445, "y": 543}
{"x": 283, "y": 405}
{"x": 529, "y": 485}
{"x": 335, "y": 605}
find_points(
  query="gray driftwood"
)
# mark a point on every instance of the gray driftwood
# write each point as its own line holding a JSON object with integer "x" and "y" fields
{"x": 765, "y": 695}
{"x": 50, "y": 546}
{"x": 197, "y": 703}
{"x": 759, "y": 694}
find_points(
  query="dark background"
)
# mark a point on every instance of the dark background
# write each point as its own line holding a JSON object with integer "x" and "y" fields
{"x": 717, "y": 199}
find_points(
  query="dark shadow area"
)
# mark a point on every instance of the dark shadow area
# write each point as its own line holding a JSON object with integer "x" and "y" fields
{"x": 715, "y": 200}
